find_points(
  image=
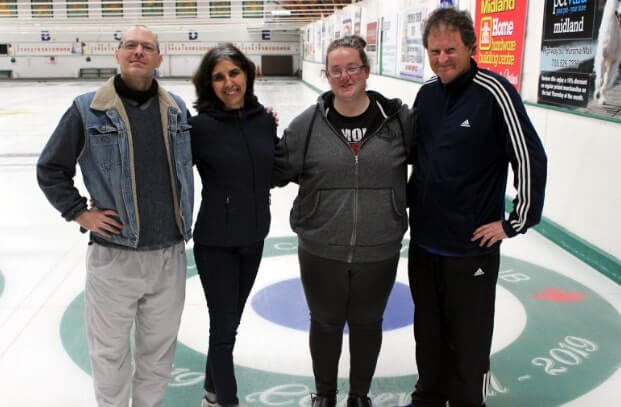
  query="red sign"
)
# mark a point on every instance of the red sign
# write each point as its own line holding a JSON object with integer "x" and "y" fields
{"x": 500, "y": 25}
{"x": 372, "y": 33}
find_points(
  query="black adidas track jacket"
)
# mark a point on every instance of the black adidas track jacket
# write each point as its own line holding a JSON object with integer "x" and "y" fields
{"x": 467, "y": 133}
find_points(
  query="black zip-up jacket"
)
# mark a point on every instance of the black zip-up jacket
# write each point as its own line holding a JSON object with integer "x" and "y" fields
{"x": 233, "y": 152}
{"x": 467, "y": 133}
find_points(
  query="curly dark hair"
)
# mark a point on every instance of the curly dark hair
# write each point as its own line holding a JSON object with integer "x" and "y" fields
{"x": 453, "y": 19}
{"x": 350, "y": 41}
{"x": 206, "y": 97}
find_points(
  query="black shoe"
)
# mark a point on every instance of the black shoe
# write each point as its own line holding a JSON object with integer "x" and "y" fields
{"x": 323, "y": 401}
{"x": 358, "y": 401}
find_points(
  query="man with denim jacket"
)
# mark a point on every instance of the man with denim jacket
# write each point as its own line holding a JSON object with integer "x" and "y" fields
{"x": 131, "y": 140}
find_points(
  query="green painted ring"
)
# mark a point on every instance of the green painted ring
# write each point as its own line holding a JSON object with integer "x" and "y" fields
{"x": 562, "y": 353}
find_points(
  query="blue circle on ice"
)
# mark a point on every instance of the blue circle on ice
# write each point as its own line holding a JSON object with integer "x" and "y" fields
{"x": 283, "y": 303}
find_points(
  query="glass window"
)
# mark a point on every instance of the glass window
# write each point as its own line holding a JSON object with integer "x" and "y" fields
{"x": 111, "y": 8}
{"x": 152, "y": 8}
{"x": 42, "y": 8}
{"x": 77, "y": 8}
{"x": 8, "y": 8}
{"x": 220, "y": 9}
{"x": 186, "y": 8}
{"x": 252, "y": 9}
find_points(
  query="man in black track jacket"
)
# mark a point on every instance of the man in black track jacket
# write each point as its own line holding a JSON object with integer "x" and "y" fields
{"x": 471, "y": 124}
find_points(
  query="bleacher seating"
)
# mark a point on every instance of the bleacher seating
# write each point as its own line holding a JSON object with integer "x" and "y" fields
{"x": 97, "y": 73}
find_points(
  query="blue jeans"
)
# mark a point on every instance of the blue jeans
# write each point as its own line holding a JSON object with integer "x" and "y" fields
{"x": 227, "y": 275}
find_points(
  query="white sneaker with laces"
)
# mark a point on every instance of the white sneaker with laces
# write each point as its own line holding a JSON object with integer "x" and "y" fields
{"x": 207, "y": 401}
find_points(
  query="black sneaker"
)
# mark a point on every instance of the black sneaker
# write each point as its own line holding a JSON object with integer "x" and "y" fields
{"x": 323, "y": 401}
{"x": 358, "y": 401}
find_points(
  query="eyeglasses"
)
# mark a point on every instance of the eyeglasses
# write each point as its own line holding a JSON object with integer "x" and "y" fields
{"x": 147, "y": 47}
{"x": 351, "y": 71}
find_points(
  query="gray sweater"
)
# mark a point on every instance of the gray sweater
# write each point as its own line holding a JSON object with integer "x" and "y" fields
{"x": 349, "y": 208}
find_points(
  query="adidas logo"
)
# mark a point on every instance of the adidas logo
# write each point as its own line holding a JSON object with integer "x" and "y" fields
{"x": 478, "y": 273}
{"x": 465, "y": 123}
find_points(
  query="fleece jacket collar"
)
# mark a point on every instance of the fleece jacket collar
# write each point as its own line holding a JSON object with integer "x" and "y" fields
{"x": 389, "y": 106}
{"x": 106, "y": 97}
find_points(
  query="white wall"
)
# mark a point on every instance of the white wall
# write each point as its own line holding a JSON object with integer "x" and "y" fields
{"x": 582, "y": 194}
{"x": 26, "y": 31}
{"x": 68, "y": 66}
{"x": 65, "y": 66}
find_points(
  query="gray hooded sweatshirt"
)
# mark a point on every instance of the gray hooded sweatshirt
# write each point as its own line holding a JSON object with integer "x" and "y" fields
{"x": 349, "y": 208}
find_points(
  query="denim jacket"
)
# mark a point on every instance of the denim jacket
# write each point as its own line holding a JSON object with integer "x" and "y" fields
{"x": 107, "y": 164}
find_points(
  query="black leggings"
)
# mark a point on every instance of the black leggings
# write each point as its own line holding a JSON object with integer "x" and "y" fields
{"x": 227, "y": 275}
{"x": 339, "y": 292}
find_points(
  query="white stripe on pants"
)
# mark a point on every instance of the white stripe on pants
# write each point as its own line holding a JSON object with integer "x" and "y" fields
{"x": 124, "y": 287}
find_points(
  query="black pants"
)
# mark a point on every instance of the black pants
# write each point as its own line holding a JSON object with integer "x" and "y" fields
{"x": 339, "y": 292}
{"x": 227, "y": 275}
{"x": 453, "y": 323}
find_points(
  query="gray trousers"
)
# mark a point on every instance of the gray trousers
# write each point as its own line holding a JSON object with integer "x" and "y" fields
{"x": 125, "y": 288}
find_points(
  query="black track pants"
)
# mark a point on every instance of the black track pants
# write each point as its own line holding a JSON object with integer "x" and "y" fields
{"x": 339, "y": 292}
{"x": 453, "y": 323}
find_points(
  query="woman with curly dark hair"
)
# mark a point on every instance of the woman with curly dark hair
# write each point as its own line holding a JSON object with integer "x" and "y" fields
{"x": 233, "y": 140}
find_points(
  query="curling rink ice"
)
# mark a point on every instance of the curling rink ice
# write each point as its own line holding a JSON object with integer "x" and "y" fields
{"x": 558, "y": 324}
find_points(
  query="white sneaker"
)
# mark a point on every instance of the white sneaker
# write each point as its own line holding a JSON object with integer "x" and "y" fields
{"x": 208, "y": 403}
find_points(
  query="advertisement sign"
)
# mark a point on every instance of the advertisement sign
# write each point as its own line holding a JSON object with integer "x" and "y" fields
{"x": 325, "y": 40}
{"x": 308, "y": 44}
{"x": 388, "y": 58}
{"x": 332, "y": 32}
{"x": 500, "y": 31}
{"x": 579, "y": 62}
{"x": 372, "y": 45}
{"x": 566, "y": 47}
{"x": 318, "y": 41}
{"x": 347, "y": 28}
{"x": 412, "y": 50}
{"x": 357, "y": 20}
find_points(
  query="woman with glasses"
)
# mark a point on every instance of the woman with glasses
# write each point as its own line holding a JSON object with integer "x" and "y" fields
{"x": 233, "y": 140}
{"x": 348, "y": 153}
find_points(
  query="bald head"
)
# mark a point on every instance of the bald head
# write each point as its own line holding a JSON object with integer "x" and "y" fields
{"x": 138, "y": 56}
{"x": 145, "y": 30}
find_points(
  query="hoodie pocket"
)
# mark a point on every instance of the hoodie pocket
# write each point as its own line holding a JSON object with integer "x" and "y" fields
{"x": 327, "y": 217}
{"x": 381, "y": 217}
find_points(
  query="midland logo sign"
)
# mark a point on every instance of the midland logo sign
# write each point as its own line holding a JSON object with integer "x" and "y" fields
{"x": 567, "y": 346}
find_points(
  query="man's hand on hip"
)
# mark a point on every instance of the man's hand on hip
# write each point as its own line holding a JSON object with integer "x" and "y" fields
{"x": 103, "y": 222}
{"x": 489, "y": 234}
